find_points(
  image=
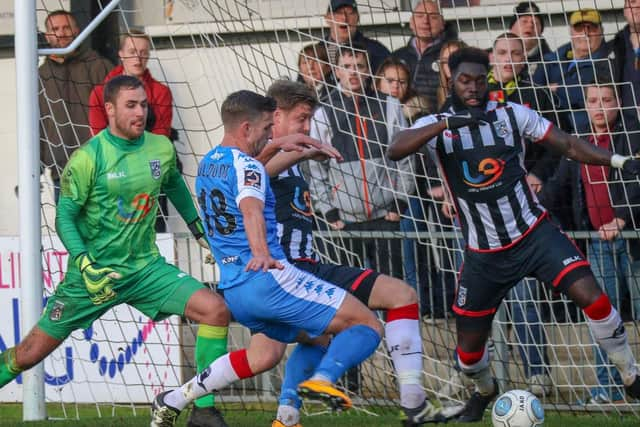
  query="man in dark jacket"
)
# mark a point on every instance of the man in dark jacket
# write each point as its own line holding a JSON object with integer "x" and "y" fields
{"x": 575, "y": 64}
{"x": 626, "y": 46}
{"x": 65, "y": 85}
{"x": 605, "y": 200}
{"x": 423, "y": 50}
{"x": 528, "y": 24}
{"x": 342, "y": 17}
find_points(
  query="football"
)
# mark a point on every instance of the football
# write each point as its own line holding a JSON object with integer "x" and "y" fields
{"x": 517, "y": 408}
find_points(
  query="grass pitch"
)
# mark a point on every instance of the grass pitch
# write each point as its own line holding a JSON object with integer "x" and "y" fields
{"x": 11, "y": 415}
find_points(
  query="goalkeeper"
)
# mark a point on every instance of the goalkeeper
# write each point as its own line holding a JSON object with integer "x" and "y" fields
{"x": 105, "y": 218}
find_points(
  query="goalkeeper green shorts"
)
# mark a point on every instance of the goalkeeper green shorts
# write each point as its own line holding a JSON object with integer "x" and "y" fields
{"x": 158, "y": 290}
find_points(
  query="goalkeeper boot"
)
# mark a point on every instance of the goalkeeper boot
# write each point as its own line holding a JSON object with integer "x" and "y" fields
{"x": 633, "y": 390}
{"x": 278, "y": 423}
{"x": 163, "y": 415}
{"x": 325, "y": 391}
{"x": 476, "y": 405}
{"x": 209, "y": 416}
{"x": 426, "y": 413}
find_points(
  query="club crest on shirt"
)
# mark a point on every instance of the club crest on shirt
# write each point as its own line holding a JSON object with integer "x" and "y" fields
{"x": 462, "y": 296}
{"x": 155, "y": 169}
{"x": 501, "y": 128}
{"x": 252, "y": 178}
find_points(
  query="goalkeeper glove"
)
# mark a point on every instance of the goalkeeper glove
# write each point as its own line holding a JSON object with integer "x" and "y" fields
{"x": 98, "y": 280}
{"x": 197, "y": 229}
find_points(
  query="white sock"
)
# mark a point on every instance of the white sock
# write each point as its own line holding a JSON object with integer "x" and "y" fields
{"x": 612, "y": 338}
{"x": 217, "y": 376}
{"x": 288, "y": 415}
{"x": 405, "y": 348}
{"x": 480, "y": 374}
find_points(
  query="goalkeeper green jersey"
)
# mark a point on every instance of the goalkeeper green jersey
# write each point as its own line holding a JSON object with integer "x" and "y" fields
{"x": 109, "y": 200}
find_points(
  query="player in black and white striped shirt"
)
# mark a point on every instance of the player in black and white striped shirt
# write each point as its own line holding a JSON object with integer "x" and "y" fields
{"x": 479, "y": 146}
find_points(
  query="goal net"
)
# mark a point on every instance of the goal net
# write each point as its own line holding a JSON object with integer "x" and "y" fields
{"x": 203, "y": 51}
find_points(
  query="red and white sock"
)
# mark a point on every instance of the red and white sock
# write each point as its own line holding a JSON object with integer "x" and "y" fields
{"x": 224, "y": 371}
{"x": 608, "y": 330}
{"x": 402, "y": 332}
{"x": 476, "y": 366}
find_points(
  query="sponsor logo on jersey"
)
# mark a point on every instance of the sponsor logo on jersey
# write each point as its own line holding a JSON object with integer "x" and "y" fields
{"x": 252, "y": 178}
{"x": 571, "y": 260}
{"x": 502, "y": 130}
{"x": 490, "y": 170}
{"x": 496, "y": 95}
{"x": 116, "y": 175}
{"x": 229, "y": 259}
{"x": 462, "y": 296}
{"x": 137, "y": 210}
{"x": 156, "y": 173}
{"x": 301, "y": 202}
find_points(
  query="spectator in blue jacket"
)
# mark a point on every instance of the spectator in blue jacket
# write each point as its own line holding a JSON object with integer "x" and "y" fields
{"x": 576, "y": 64}
{"x": 342, "y": 17}
{"x": 430, "y": 32}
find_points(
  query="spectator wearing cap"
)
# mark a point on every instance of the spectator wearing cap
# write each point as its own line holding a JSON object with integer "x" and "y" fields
{"x": 421, "y": 53}
{"x": 528, "y": 24}
{"x": 576, "y": 64}
{"x": 626, "y": 46}
{"x": 342, "y": 17}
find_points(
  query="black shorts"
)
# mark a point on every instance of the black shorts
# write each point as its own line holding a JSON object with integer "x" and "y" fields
{"x": 546, "y": 253}
{"x": 358, "y": 281}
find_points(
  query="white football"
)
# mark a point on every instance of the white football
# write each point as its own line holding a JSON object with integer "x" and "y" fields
{"x": 517, "y": 408}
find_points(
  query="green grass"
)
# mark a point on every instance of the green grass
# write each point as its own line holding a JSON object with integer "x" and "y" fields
{"x": 11, "y": 415}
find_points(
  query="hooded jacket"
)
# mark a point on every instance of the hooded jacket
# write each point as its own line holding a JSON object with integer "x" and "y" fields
{"x": 64, "y": 103}
{"x": 365, "y": 185}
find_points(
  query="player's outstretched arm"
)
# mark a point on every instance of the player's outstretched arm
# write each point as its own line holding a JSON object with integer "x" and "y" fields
{"x": 409, "y": 141}
{"x": 256, "y": 229}
{"x": 285, "y": 159}
{"x": 582, "y": 151}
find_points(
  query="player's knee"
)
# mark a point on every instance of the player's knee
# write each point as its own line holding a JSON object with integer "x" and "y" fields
{"x": 265, "y": 359}
{"x": 209, "y": 309}
{"x": 375, "y": 324}
{"x": 389, "y": 292}
{"x": 405, "y": 294}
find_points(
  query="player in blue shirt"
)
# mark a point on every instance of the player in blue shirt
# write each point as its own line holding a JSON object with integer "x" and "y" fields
{"x": 294, "y": 214}
{"x": 277, "y": 301}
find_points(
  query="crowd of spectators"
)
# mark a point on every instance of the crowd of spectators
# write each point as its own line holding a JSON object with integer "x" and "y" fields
{"x": 587, "y": 86}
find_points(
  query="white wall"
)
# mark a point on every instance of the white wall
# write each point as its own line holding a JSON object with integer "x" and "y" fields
{"x": 8, "y": 150}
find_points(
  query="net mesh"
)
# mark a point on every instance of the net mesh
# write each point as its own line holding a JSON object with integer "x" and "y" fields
{"x": 204, "y": 50}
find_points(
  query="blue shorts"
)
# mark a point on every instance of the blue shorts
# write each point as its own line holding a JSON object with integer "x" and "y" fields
{"x": 282, "y": 303}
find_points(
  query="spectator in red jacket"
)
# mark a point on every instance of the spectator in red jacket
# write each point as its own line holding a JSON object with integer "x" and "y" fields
{"x": 134, "y": 55}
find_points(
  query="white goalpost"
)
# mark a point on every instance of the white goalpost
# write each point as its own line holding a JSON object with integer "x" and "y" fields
{"x": 204, "y": 50}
